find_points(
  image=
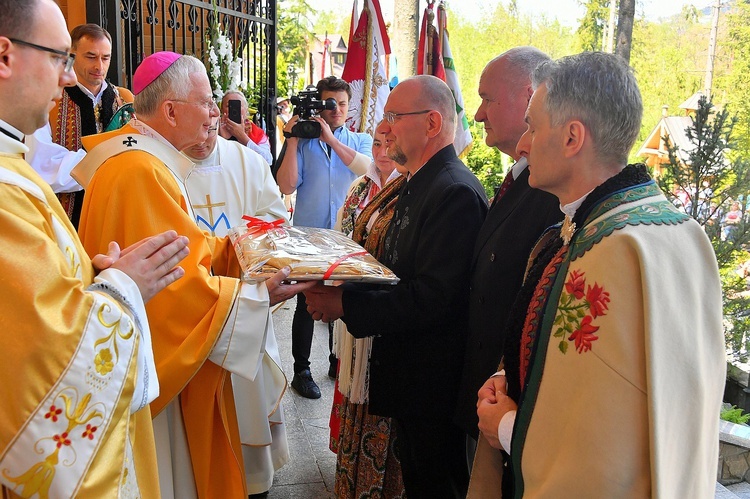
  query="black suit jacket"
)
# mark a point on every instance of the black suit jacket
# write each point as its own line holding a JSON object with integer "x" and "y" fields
{"x": 513, "y": 225}
{"x": 420, "y": 325}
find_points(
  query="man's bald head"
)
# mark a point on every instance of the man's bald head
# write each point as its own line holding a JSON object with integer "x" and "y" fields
{"x": 433, "y": 93}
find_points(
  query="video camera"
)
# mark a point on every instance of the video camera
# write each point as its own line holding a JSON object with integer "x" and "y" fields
{"x": 308, "y": 104}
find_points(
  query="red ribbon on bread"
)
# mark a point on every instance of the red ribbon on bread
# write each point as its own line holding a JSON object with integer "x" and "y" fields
{"x": 338, "y": 262}
{"x": 258, "y": 226}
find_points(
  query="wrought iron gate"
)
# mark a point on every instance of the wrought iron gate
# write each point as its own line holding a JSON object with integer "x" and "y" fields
{"x": 141, "y": 27}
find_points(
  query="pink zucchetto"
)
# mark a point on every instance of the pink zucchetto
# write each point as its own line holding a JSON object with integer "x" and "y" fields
{"x": 151, "y": 68}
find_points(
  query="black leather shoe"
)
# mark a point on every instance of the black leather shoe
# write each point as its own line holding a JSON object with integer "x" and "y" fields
{"x": 303, "y": 384}
{"x": 333, "y": 368}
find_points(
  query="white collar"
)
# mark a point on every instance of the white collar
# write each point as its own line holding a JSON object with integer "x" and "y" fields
{"x": 10, "y": 145}
{"x": 571, "y": 208}
{"x": 372, "y": 174}
{"x": 96, "y": 99}
{"x": 146, "y": 130}
{"x": 518, "y": 167}
{"x": 10, "y": 128}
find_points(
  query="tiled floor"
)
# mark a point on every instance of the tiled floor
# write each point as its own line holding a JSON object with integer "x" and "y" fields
{"x": 309, "y": 472}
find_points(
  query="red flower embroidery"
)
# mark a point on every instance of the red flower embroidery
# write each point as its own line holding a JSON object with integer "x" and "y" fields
{"x": 584, "y": 335}
{"x": 579, "y": 305}
{"x": 89, "y": 432}
{"x": 53, "y": 412}
{"x": 576, "y": 284}
{"x": 597, "y": 299}
{"x": 61, "y": 439}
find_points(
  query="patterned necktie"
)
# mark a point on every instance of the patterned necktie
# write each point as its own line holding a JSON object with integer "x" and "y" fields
{"x": 505, "y": 185}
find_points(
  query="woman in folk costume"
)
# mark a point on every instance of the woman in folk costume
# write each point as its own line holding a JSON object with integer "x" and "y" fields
{"x": 366, "y": 464}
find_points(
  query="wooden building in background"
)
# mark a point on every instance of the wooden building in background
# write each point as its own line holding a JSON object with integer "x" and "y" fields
{"x": 670, "y": 129}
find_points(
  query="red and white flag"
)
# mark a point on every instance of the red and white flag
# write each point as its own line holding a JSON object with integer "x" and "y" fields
{"x": 365, "y": 69}
{"x": 326, "y": 67}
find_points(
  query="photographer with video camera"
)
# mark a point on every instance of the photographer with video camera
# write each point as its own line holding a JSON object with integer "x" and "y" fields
{"x": 320, "y": 168}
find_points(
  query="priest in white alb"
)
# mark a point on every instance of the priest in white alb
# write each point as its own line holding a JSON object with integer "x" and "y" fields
{"x": 230, "y": 181}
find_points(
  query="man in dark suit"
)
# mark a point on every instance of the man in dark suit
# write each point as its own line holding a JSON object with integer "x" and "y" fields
{"x": 518, "y": 215}
{"x": 420, "y": 324}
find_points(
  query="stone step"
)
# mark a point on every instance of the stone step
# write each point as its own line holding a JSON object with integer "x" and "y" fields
{"x": 723, "y": 493}
{"x": 741, "y": 490}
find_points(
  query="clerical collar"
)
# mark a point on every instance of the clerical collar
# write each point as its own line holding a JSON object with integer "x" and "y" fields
{"x": 146, "y": 130}
{"x": 11, "y": 131}
{"x": 96, "y": 99}
{"x": 210, "y": 163}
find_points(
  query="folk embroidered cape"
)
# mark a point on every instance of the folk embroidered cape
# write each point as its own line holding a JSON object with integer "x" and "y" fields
{"x": 622, "y": 358}
{"x": 74, "y": 117}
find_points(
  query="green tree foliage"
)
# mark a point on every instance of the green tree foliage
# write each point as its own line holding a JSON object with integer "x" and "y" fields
{"x": 738, "y": 80}
{"x": 705, "y": 185}
{"x": 591, "y": 30}
{"x": 294, "y": 30}
{"x": 668, "y": 66}
{"x": 333, "y": 23}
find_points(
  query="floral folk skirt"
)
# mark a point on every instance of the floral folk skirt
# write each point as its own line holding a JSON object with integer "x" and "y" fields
{"x": 367, "y": 464}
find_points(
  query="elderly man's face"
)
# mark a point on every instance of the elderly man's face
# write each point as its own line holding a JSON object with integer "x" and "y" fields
{"x": 504, "y": 102}
{"x": 225, "y": 104}
{"x": 197, "y": 114}
{"x": 542, "y": 145}
{"x": 408, "y": 132}
{"x": 202, "y": 151}
{"x": 40, "y": 75}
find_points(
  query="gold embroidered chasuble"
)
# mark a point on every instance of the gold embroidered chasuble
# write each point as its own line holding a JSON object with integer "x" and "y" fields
{"x": 132, "y": 195}
{"x": 68, "y": 424}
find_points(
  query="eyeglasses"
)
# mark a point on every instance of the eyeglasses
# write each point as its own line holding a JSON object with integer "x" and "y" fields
{"x": 65, "y": 58}
{"x": 390, "y": 117}
{"x": 206, "y": 103}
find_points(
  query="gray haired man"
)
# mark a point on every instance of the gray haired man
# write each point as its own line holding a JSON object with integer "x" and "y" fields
{"x": 618, "y": 325}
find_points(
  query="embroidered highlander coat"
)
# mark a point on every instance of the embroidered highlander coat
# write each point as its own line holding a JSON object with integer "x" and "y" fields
{"x": 622, "y": 354}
